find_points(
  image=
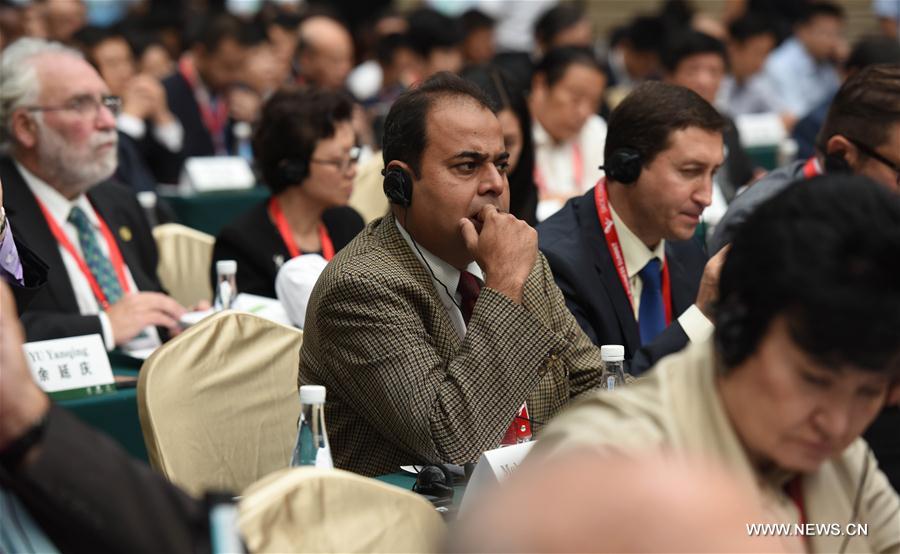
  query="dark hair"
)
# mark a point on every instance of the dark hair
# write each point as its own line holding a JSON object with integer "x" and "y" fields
{"x": 816, "y": 9}
{"x": 293, "y": 121}
{"x": 431, "y": 30}
{"x": 825, "y": 254}
{"x": 554, "y": 64}
{"x": 646, "y": 34}
{"x": 685, "y": 44}
{"x": 872, "y": 50}
{"x": 475, "y": 19}
{"x": 497, "y": 85}
{"x": 405, "y": 133}
{"x": 646, "y": 118}
{"x": 556, "y": 20}
{"x": 89, "y": 37}
{"x": 748, "y": 26}
{"x": 865, "y": 106}
{"x": 212, "y": 30}
{"x": 387, "y": 46}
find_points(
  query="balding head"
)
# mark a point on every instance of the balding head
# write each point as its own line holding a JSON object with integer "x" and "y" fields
{"x": 325, "y": 52}
{"x": 590, "y": 502}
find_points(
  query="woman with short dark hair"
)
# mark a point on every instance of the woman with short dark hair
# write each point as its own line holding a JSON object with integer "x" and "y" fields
{"x": 306, "y": 151}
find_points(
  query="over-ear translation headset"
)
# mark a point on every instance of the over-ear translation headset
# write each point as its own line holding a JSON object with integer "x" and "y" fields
{"x": 398, "y": 186}
{"x": 292, "y": 171}
{"x": 623, "y": 165}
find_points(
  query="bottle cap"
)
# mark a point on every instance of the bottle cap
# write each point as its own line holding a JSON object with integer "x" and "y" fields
{"x": 612, "y": 353}
{"x": 226, "y": 266}
{"x": 312, "y": 394}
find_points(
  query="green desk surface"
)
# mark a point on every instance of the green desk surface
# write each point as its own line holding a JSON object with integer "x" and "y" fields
{"x": 115, "y": 413}
{"x": 765, "y": 157}
{"x": 210, "y": 211}
{"x": 406, "y": 481}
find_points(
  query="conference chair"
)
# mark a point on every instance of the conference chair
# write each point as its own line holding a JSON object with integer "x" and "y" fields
{"x": 185, "y": 256}
{"x": 309, "y": 509}
{"x": 218, "y": 404}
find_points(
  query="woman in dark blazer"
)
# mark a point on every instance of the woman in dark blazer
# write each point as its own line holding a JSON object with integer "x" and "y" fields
{"x": 305, "y": 148}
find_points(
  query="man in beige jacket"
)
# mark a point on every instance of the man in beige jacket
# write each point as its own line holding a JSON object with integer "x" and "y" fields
{"x": 806, "y": 353}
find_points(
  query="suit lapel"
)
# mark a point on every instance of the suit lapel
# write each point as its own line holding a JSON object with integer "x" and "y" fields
{"x": 28, "y": 221}
{"x": 593, "y": 236}
{"x": 394, "y": 242}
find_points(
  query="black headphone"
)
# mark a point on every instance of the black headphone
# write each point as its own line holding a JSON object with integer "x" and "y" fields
{"x": 623, "y": 165}
{"x": 435, "y": 481}
{"x": 398, "y": 186}
{"x": 292, "y": 171}
{"x": 836, "y": 162}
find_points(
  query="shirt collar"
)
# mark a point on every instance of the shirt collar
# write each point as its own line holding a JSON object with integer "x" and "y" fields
{"x": 58, "y": 205}
{"x": 441, "y": 272}
{"x": 539, "y": 134}
{"x": 635, "y": 251}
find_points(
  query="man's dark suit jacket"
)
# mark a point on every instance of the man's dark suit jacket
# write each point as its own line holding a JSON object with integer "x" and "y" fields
{"x": 53, "y": 311}
{"x": 197, "y": 140}
{"x": 582, "y": 266}
{"x": 254, "y": 242}
{"x": 34, "y": 275}
{"x": 88, "y": 495}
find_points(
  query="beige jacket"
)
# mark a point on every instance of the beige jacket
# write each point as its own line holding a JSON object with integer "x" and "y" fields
{"x": 677, "y": 406}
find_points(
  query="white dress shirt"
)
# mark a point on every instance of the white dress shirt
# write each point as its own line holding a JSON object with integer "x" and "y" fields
{"x": 443, "y": 275}
{"x": 696, "y": 326}
{"x": 60, "y": 207}
{"x": 555, "y": 163}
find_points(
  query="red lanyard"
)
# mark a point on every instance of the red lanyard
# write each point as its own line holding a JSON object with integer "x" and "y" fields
{"x": 115, "y": 255}
{"x": 577, "y": 170}
{"x": 615, "y": 249}
{"x": 287, "y": 235}
{"x": 811, "y": 168}
{"x": 213, "y": 121}
{"x": 794, "y": 488}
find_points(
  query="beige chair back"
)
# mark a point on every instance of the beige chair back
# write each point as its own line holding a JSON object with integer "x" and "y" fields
{"x": 308, "y": 509}
{"x": 185, "y": 256}
{"x": 218, "y": 404}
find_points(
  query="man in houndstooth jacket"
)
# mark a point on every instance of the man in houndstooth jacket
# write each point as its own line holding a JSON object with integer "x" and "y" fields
{"x": 439, "y": 331}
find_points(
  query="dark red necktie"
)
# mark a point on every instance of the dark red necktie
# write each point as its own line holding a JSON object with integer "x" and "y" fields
{"x": 468, "y": 290}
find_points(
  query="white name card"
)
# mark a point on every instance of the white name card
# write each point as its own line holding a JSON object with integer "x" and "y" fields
{"x": 216, "y": 173}
{"x": 492, "y": 468}
{"x": 71, "y": 367}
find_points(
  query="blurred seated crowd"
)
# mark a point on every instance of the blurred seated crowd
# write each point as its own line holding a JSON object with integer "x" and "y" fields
{"x": 462, "y": 205}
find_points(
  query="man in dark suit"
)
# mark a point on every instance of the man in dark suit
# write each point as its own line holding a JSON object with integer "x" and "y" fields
{"x": 94, "y": 237}
{"x": 20, "y": 267}
{"x": 66, "y": 486}
{"x": 622, "y": 253}
{"x": 197, "y": 92}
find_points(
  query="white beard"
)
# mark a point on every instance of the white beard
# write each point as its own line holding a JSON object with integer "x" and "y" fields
{"x": 71, "y": 169}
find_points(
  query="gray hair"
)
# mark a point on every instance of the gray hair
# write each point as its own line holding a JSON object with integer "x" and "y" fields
{"x": 18, "y": 76}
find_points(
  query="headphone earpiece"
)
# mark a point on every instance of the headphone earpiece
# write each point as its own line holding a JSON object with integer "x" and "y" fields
{"x": 292, "y": 172}
{"x": 731, "y": 337}
{"x": 398, "y": 186}
{"x": 435, "y": 480}
{"x": 836, "y": 162}
{"x": 624, "y": 165}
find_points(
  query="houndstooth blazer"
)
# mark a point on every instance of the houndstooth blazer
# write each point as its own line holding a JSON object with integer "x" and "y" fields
{"x": 403, "y": 388}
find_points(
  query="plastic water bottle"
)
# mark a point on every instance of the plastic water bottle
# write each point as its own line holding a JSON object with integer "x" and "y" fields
{"x": 242, "y": 134}
{"x": 226, "y": 284}
{"x": 613, "y": 356}
{"x": 312, "y": 447}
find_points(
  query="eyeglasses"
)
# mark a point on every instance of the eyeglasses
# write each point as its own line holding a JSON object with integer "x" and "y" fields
{"x": 343, "y": 164}
{"x": 85, "y": 105}
{"x": 870, "y": 152}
